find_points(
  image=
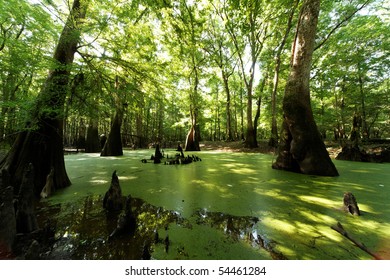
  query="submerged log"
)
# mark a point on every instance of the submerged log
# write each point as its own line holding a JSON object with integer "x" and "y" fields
{"x": 113, "y": 198}
{"x": 350, "y": 204}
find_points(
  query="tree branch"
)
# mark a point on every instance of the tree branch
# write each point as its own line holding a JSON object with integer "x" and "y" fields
{"x": 337, "y": 26}
{"x": 340, "y": 229}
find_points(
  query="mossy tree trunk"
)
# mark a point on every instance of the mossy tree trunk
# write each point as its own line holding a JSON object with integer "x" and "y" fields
{"x": 41, "y": 143}
{"x": 301, "y": 148}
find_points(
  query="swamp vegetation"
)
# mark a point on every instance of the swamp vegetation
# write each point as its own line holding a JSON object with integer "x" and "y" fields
{"x": 109, "y": 81}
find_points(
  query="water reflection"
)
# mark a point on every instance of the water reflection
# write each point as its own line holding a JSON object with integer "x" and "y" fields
{"x": 238, "y": 228}
{"x": 294, "y": 209}
{"x": 83, "y": 228}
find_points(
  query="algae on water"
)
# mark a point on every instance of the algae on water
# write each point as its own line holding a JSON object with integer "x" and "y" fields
{"x": 228, "y": 206}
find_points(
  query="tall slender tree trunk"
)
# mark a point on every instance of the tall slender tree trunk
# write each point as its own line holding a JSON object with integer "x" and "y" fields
{"x": 41, "y": 143}
{"x": 301, "y": 148}
{"x": 365, "y": 130}
{"x": 258, "y": 103}
{"x": 193, "y": 136}
{"x": 250, "y": 137}
{"x": 273, "y": 142}
{"x": 139, "y": 122}
{"x": 242, "y": 135}
{"x": 229, "y": 133}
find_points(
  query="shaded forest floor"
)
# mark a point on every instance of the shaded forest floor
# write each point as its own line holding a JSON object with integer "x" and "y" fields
{"x": 333, "y": 147}
{"x": 236, "y": 146}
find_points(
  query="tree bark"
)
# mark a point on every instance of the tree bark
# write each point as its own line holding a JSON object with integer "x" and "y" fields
{"x": 273, "y": 142}
{"x": 365, "y": 131}
{"x": 92, "y": 144}
{"x": 192, "y": 141}
{"x": 7, "y": 220}
{"x": 41, "y": 143}
{"x": 229, "y": 133}
{"x": 113, "y": 146}
{"x": 301, "y": 148}
{"x": 258, "y": 103}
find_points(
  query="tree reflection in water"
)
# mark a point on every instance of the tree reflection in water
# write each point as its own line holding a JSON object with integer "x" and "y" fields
{"x": 83, "y": 228}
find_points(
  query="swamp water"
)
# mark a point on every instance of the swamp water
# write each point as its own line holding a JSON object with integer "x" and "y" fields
{"x": 227, "y": 206}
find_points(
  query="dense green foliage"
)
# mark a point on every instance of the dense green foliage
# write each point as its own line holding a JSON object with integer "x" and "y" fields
{"x": 177, "y": 63}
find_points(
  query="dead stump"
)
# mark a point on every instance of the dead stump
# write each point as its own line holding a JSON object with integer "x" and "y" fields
{"x": 113, "y": 198}
{"x": 350, "y": 204}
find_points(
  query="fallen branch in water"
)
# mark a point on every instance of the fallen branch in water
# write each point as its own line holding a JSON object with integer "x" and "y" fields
{"x": 340, "y": 229}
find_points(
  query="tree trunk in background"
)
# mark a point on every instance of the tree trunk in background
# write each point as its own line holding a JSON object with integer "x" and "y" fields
{"x": 193, "y": 136}
{"x": 273, "y": 142}
{"x": 113, "y": 146}
{"x": 257, "y": 116}
{"x": 250, "y": 137}
{"x": 229, "y": 133}
{"x": 141, "y": 135}
{"x": 192, "y": 141}
{"x": 92, "y": 144}
{"x": 242, "y": 135}
{"x": 365, "y": 130}
{"x": 301, "y": 148}
{"x": 41, "y": 143}
{"x": 81, "y": 135}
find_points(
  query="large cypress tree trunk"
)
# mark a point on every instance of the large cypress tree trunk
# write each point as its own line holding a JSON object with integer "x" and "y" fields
{"x": 41, "y": 143}
{"x": 192, "y": 140}
{"x": 92, "y": 142}
{"x": 301, "y": 148}
{"x": 113, "y": 146}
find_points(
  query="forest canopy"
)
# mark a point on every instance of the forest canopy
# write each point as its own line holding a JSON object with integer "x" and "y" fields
{"x": 167, "y": 66}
